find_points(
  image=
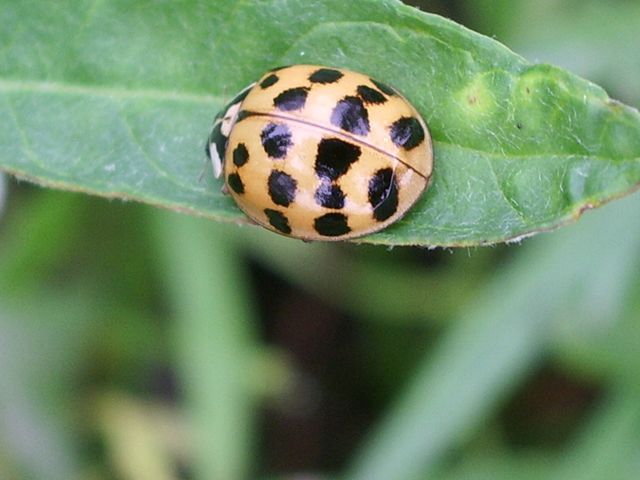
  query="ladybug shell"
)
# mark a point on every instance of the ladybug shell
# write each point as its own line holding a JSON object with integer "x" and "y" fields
{"x": 323, "y": 153}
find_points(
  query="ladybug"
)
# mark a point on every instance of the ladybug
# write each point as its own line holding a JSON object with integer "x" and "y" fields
{"x": 321, "y": 153}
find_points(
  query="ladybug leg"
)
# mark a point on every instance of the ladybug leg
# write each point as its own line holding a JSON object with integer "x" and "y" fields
{"x": 225, "y": 189}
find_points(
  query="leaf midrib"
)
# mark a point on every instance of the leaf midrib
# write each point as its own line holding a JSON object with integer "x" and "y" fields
{"x": 118, "y": 93}
{"x": 121, "y": 93}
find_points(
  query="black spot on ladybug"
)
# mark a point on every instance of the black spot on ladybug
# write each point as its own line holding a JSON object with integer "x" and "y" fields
{"x": 278, "y": 220}
{"x": 276, "y": 139}
{"x": 268, "y": 81}
{"x": 218, "y": 139}
{"x": 235, "y": 182}
{"x": 291, "y": 99}
{"x": 370, "y": 95}
{"x": 329, "y": 195}
{"x": 240, "y": 155}
{"x": 325, "y": 75}
{"x": 240, "y": 97}
{"x": 242, "y": 114}
{"x": 334, "y": 157}
{"x": 331, "y": 225}
{"x": 407, "y": 133}
{"x": 383, "y": 194}
{"x": 351, "y": 115}
{"x": 282, "y": 188}
{"x": 386, "y": 89}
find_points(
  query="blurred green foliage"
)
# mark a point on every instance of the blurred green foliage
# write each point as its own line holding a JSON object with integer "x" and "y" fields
{"x": 140, "y": 344}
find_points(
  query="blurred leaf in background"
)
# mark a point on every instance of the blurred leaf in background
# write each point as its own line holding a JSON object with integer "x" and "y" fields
{"x": 140, "y": 344}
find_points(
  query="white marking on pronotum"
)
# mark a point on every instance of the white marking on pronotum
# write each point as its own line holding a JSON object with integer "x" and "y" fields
{"x": 216, "y": 161}
{"x": 229, "y": 119}
{"x": 226, "y": 124}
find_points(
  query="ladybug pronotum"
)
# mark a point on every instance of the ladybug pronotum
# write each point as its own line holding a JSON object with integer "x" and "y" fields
{"x": 321, "y": 153}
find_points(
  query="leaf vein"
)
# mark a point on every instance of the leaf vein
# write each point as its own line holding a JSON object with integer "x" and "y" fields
{"x": 500, "y": 189}
{"x": 149, "y": 159}
{"x": 24, "y": 139}
{"x": 9, "y": 86}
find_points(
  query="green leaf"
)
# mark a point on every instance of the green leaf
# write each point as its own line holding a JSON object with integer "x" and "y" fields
{"x": 116, "y": 99}
{"x": 499, "y": 339}
{"x": 575, "y": 38}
